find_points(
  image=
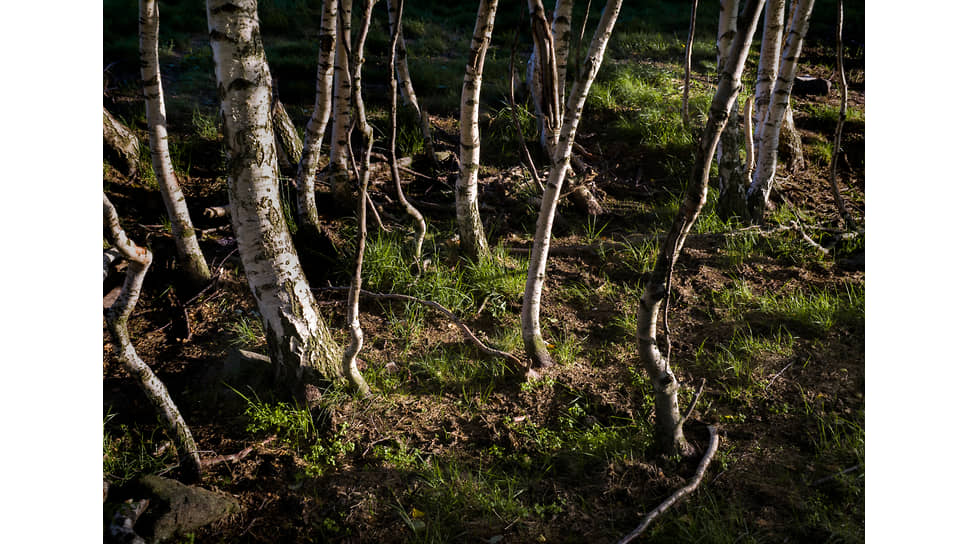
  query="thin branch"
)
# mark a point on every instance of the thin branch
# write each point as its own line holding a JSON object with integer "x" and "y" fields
{"x": 832, "y": 476}
{"x": 695, "y": 400}
{"x": 529, "y": 163}
{"x": 777, "y": 376}
{"x": 685, "y": 86}
{"x": 450, "y": 315}
{"x": 235, "y": 457}
{"x": 675, "y": 497}
{"x": 842, "y": 79}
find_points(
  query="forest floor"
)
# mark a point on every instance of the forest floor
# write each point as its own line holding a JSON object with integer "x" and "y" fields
{"x": 456, "y": 446}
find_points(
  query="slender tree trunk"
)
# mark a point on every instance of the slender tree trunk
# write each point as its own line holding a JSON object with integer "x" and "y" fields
{"x": 350, "y": 368}
{"x": 685, "y": 85}
{"x": 121, "y": 146}
{"x": 307, "y": 215}
{"x": 534, "y": 345}
{"x": 189, "y": 253}
{"x": 842, "y": 79}
{"x": 732, "y": 202}
{"x": 543, "y": 69}
{"x": 295, "y": 332}
{"x": 668, "y": 419}
{"x": 473, "y": 242}
{"x": 407, "y": 91}
{"x": 139, "y": 259}
{"x": 421, "y": 225}
{"x": 561, "y": 33}
{"x": 769, "y": 63}
{"x": 759, "y": 192}
{"x": 342, "y": 99}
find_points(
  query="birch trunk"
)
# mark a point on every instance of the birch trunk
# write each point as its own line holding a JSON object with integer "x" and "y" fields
{"x": 534, "y": 345}
{"x": 842, "y": 79}
{"x": 342, "y": 97}
{"x": 120, "y": 144}
{"x": 543, "y": 69}
{"x": 668, "y": 419}
{"x": 561, "y": 33}
{"x": 117, "y": 319}
{"x": 759, "y": 192}
{"x": 685, "y": 85}
{"x": 182, "y": 230}
{"x": 769, "y": 63}
{"x": 473, "y": 242}
{"x": 287, "y": 139}
{"x": 295, "y": 332}
{"x": 407, "y": 91}
{"x": 350, "y": 368}
{"x": 731, "y": 171}
{"x": 307, "y": 215}
{"x": 421, "y": 225}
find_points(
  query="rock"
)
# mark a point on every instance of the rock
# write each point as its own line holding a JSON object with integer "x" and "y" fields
{"x": 176, "y": 508}
{"x": 806, "y": 85}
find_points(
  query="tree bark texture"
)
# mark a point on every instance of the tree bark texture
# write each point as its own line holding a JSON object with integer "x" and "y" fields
{"x": 421, "y": 225}
{"x": 769, "y": 62}
{"x": 116, "y": 316}
{"x": 307, "y": 214}
{"x": 543, "y": 71}
{"x": 288, "y": 148}
{"x": 534, "y": 345}
{"x": 182, "y": 230}
{"x": 407, "y": 91}
{"x": 473, "y": 242}
{"x": 668, "y": 418}
{"x": 295, "y": 332}
{"x": 561, "y": 32}
{"x": 121, "y": 146}
{"x": 350, "y": 368}
{"x": 759, "y": 192}
{"x": 342, "y": 97}
{"x": 842, "y": 80}
{"x": 731, "y": 170}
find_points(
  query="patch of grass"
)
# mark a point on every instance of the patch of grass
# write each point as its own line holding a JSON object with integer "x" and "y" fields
{"x": 565, "y": 347}
{"x": 205, "y": 125}
{"x": 499, "y": 141}
{"x": 709, "y": 519}
{"x": 816, "y": 310}
{"x": 247, "y": 332}
{"x": 742, "y": 356}
{"x": 640, "y": 257}
{"x": 457, "y": 367}
{"x": 131, "y": 451}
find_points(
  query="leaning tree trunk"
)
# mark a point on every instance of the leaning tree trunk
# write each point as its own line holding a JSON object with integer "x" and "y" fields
{"x": 307, "y": 215}
{"x": 668, "y": 419}
{"x": 342, "y": 100}
{"x": 350, "y": 368}
{"x": 117, "y": 315}
{"x": 189, "y": 253}
{"x": 473, "y": 242}
{"x": 295, "y": 331}
{"x": 287, "y": 139}
{"x": 407, "y": 91}
{"x": 421, "y": 225}
{"x": 534, "y": 345}
{"x": 121, "y": 146}
{"x": 759, "y": 192}
{"x": 732, "y": 177}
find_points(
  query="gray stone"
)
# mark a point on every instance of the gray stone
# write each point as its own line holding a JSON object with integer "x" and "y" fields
{"x": 806, "y": 85}
{"x": 176, "y": 508}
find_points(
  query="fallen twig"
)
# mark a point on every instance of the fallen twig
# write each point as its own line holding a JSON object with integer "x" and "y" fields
{"x": 682, "y": 492}
{"x": 832, "y": 476}
{"x": 235, "y": 457}
{"x": 777, "y": 376}
{"x": 695, "y": 400}
{"x": 460, "y": 324}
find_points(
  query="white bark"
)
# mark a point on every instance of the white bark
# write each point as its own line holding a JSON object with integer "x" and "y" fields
{"x": 759, "y": 192}
{"x": 117, "y": 315}
{"x": 182, "y": 230}
{"x": 121, "y": 144}
{"x": 287, "y": 139}
{"x": 473, "y": 242}
{"x": 842, "y": 79}
{"x": 530, "y": 312}
{"x": 342, "y": 89}
{"x": 732, "y": 201}
{"x": 421, "y": 225}
{"x": 296, "y": 334}
{"x": 307, "y": 215}
{"x": 769, "y": 62}
{"x": 668, "y": 419}
{"x": 543, "y": 73}
{"x": 561, "y": 32}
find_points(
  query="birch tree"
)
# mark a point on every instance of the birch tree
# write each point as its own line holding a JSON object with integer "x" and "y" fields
{"x": 473, "y": 242}
{"x": 296, "y": 334}
{"x": 307, "y": 215}
{"x": 182, "y": 230}
{"x": 685, "y": 85}
{"x": 534, "y": 345}
{"x": 842, "y": 80}
{"x": 669, "y": 421}
{"x": 402, "y": 69}
{"x": 731, "y": 166}
{"x": 759, "y": 192}
{"x": 342, "y": 100}
{"x": 116, "y": 316}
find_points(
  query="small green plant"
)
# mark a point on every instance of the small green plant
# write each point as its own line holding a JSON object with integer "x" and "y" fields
{"x": 130, "y": 451}
{"x": 592, "y": 231}
{"x": 640, "y": 257}
{"x": 247, "y": 332}
{"x": 205, "y": 126}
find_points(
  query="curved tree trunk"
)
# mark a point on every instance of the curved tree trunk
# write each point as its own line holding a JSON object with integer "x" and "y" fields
{"x": 407, "y": 91}
{"x": 121, "y": 146}
{"x": 421, "y": 225}
{"x": 473, "y": 242}
{"x": 759, "y": 192}
{"x": 189, "y": 253}
{"x": 350, "y": 368}
{"x": 295, "y": 332}
{"x": 668, "y": 419}
{"x": 534, "y": 345}
{"x": 543, "y": 72}
{"x": 307, "y": 215}
{"x": 117, "y": 319}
